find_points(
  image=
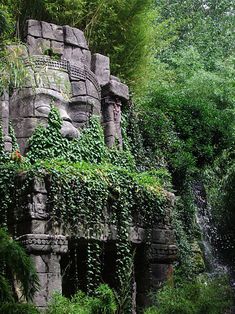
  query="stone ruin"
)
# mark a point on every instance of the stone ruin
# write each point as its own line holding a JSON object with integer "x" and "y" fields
{"x": 61, "y": 69}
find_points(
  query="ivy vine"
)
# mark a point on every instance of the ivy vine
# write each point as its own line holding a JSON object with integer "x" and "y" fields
{"x": 90, "y": 190}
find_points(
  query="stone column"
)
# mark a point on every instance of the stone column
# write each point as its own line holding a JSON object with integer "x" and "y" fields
{"x": 111, "y": 116}
{"x": 4, "y": 119}
{"x": 31, "y": 224}
{"x": 156, "y": 264}
{"x": 46, "y": 251}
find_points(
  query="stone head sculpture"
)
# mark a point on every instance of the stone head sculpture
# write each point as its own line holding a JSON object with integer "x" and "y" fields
{"x": 61, "y": 71}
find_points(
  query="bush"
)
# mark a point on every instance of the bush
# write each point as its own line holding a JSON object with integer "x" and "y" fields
{"x": 103, "y": 303}
{"x": 207, "y": 295}
{"x": 16, "y": 308}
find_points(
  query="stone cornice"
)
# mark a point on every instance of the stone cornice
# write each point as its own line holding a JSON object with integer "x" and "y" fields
{"x": 44, "y": 243}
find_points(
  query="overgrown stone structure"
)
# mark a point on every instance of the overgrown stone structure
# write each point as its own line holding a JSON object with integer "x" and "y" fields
{"x": 61, "y": 70}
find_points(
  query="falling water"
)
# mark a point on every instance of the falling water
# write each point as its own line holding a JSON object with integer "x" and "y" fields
{"x": 209, "y": 232}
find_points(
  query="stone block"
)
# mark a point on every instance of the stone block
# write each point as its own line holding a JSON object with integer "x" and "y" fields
{"x": 159, "y": 273}
{"x": 40, "y": 298}
{"x": 52, "y": 31}
{"x": 96, "y": 105}
{"x": 107, "y": 113}
{"x": 68, "y": 130}
{"x": 37, "y": 46}
{"x": 7, "y": 143}
{"x": 4, "y": 116}
{"x": 91, "y": 90}
{"x": 29, "y": 80}
{"x": 27, "y": 225}
{"x": 74, "y": 37}
{"x": 77, "y": 56}
{"x": 40, "y": 265}
{"x": 87, "y": 58}
{"x": 44, "y": 243}
{"x": 100, "y": 65}
{"x": 34, "y": 28}
{"x": 4, "y": 97}
{"x": 78, "y": 100}
{"x": 109, "y": 128}
{"x": 23, "y": 142}
{"x": 78, "y": 88}
{"x": 116, "y": 88}
{"x": 67, "y": 52}
{"x": 57, "y": 47}
{"x": 52, "y": 94}
{"x": 49, "y": 263}
{"x": 42, "y": 105}
{"x": 159, "y": 236}
{"x": 24, "y": 127}
{"x": 137, "y": 235}
{"x": 81, "y": 117}
{"x": 39, "y": 185}
{"x": 110, "y": 140}
{"x": 115, "y": 78}
{"x": 21, "y": 106}
{"x": 49, "y": 283}
{"x": 84, "y": 107}
{"x": 39, "y": 226}
{"x": 164, "y": 253}
{"x": 53, "y": 79}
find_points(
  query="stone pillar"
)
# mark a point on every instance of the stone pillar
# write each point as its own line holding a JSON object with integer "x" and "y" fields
{"x": 46, "y": 251}
{"x": 156, "y": 264}
{"x": 4, "y": 119}
{"x": 111, "y": 116}
{"x": 30, "y": 222}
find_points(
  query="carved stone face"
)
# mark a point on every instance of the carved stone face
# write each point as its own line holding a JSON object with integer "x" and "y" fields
{"x": 72, "y": 89}
{"x": 66, "y": 81}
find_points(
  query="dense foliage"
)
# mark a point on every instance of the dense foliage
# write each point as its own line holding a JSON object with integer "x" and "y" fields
{"x": 206, "y": 295}
{"x": 178, "y": 57}
{"x": 187, "y": 115}
{"x": 82, "y": 175}
{"x": 103, "y": 303}
{"x": 16, "y": 272}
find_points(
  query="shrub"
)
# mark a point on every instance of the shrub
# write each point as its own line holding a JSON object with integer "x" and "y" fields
{"x": 16, "y": 308}
{"x": 102, "y": 303}
{"x": 206, "y": 295}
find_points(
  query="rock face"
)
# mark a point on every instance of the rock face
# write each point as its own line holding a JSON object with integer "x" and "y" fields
{"x": 61, "y": 71}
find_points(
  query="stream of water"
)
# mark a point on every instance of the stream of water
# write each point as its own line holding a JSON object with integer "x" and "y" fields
{"x": 210, "y": 235}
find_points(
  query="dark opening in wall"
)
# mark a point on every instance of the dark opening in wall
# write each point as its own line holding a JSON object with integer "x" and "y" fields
{"x": 109, "y": 264}
{"x": 74, "y": 268}
{"x": 142, "y": 278}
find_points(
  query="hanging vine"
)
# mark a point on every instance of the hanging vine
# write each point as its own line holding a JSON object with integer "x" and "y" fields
{"x": 89, "y": 191}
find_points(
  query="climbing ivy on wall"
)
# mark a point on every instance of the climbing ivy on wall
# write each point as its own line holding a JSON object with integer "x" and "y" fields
{"x": 89, "y": 191}
{"x": 48, "y": 143}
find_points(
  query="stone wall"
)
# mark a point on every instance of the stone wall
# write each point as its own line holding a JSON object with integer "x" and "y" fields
{"x": 47, "y": 243}
{"x": 62, "y": 71}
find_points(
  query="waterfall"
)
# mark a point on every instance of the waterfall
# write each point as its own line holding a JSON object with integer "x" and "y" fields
{"x": 210, "y": 236}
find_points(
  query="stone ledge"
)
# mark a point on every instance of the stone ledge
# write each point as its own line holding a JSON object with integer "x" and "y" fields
{"x": 117, "y": 89}
{"x": 44, "y": 243}
{"x": 75, "y": 72}
{"x": 164, "y": 252}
